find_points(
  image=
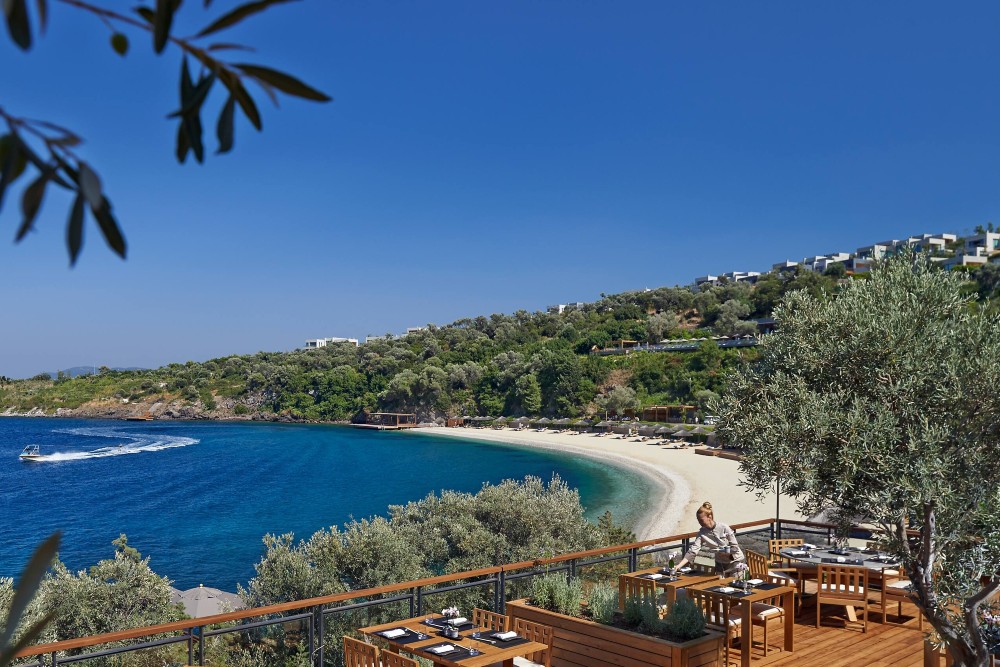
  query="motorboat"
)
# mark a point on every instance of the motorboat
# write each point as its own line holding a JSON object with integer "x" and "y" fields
{"x": 31, "y": 453}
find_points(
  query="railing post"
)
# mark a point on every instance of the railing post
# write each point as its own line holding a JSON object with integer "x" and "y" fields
{"x": 190, "y": 644}
{"x": 500, "y": 593}
{"x": 685, "y": 545}
{"x": 633, "y": 559}
{"x": 55, "y": 658}
{"x": 771, "y": 532}
{"x": 571, "y": 573}
{"x": 413, "y": 606}
{"x": 420, "y": 601}
{"x": 314, "y": 622}
{"x": 201, "y": 645}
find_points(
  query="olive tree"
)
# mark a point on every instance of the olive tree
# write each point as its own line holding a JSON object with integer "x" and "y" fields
{"x": 881, "y": 405}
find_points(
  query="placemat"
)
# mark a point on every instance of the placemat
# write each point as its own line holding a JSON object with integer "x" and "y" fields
{"x": 408, "y": 638}
{"x": 734, "y": 594}
{"x": 458, "y": 654}
{"x": 438, "y": 624}
{"x": 767, "y": 586}
{"x": 499, "y": 643}
{"x": 664, "y": 577}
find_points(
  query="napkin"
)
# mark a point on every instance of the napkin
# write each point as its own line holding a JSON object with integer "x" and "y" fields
{"x": 726, "y": 589}
{"x": 505, "y": 635}
{"x": 755, "y": 582}
{"x": 444, "y": 648}
{"x": 684, "y": 569}
{"x": 841, "y": 559}
{"x": 654, "y": 576}
{"x": 809, "y": 546}
{"x": 796, "y": 552}
{"x": 458, "y": 621}
{"x": 392, "y": 634}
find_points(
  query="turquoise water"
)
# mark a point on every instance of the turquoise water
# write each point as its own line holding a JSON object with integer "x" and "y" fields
{"x": 198, "y": 496}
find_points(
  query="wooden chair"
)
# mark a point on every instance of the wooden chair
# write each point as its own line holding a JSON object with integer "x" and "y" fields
{"x": 842, "y": 585}
{"x": 760, "y": 568}
{"x": 719, "y": 614}
{"x": 896, "y": 588}
{"x": 390, "y": 659}
{"x": 359, "y": 654}
{"x": 490, "y": 620}
{"x": 536, "y": 632}
{"x": 641, "y": 588}
{"x": 774, "y": 548}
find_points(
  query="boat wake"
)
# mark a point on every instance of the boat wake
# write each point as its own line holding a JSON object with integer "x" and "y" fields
{"x": 131, "y": 443}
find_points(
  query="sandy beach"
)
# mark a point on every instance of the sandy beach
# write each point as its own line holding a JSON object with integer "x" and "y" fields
{"x": 682, "y": 479}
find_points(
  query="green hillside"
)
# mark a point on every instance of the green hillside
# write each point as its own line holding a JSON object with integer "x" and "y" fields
{"x": 524, "y": 363}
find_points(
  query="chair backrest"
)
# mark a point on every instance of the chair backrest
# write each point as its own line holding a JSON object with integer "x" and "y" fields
{"x": 758, "y": 564}
{"x": 490, "y": 620}
{"x": 844, "y": 582}
{"x": 638, "y": 587}
{"x": 390, "y": 659}
{"x": 774, "y": 547}
{"x": 717, "y": 608}
{"x": 359, "y": 654}
{"x": 536, "y": 632}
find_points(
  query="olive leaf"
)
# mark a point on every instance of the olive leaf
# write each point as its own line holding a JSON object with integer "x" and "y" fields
{"x": 224, "y": 130}
{"x": 31, "y": 202}
{"x": 18, "y": 25}
{"x": 74, "y": 229}
{"x": 238, "y": 14}
{"x": 109, "y": 227}
{"x": 283, "y": 82}
{"x": 31, "y": 579}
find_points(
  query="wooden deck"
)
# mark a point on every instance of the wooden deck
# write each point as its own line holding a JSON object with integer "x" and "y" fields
{"x": 835, "y": 645}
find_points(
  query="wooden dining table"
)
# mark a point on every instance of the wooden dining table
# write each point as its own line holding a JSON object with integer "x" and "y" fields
{"x": 759, "y": 594}
{"x": 499, "y": 651}
{"x": 669, "y": 584}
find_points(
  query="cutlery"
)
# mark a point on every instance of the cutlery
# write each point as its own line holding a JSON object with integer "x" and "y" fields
{"x": 483, "y": 639}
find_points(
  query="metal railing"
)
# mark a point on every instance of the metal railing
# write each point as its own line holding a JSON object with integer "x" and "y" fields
{"x": 313, "y": 613}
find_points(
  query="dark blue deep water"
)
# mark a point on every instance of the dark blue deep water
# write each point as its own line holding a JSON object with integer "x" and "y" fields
{"x": 198, "y": 496}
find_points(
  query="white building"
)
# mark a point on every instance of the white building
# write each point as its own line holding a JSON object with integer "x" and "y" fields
{"x": 701, "y": 281}
{"x": 561, "y": 308}
{"x": 317, "y": 343}
{"x": 742, "y": 276}
{"x": 982, "y": 245}
{"x": 784, "y": 266}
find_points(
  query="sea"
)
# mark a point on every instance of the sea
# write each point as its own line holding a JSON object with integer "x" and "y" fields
{"x": 197, "y": 497}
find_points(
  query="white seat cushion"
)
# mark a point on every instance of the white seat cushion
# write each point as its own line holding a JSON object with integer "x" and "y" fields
{"x": 524, "y": 662}
{"x": 791, "y": 581}
{"x": 760, "y": 610}
{"x": 902, "y": 583}
{"x": 716, "y": 620}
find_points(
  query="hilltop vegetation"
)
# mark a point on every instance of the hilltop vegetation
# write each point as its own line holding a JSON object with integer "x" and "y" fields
{"x": 521, "y": 364}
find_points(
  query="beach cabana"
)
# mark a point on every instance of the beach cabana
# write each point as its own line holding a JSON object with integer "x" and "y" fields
{"x": 582, "y": 424}
{"x": 565, "y": 421}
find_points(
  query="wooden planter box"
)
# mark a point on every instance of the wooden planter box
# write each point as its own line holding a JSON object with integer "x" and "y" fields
{"x": 578, "y": 642}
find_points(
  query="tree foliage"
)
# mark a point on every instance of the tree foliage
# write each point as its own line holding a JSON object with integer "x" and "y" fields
{"x": 881, "y": 405}
{"x": 49, "y": 151}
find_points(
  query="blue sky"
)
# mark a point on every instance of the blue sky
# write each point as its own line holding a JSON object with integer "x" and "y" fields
{"x": 483, "y": 157}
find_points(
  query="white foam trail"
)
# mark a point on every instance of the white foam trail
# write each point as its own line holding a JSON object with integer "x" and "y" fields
{"x": 136, "y": 443}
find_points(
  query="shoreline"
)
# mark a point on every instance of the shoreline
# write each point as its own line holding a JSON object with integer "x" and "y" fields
{"x": 681, "y": 479}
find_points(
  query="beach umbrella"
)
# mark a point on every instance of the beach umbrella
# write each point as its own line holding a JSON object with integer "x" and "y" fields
{"x": 565, "y": 421}
{"x": 583, "y": 422}
{"x": 621, "y": 428}
{"x": 663, "y": 430}
{"x": 502, "y": 419}
{"x": 603, "y": 424}
{"x": 700, "y": 431}
{"x": 207, "y": 601}
{"x": 544, "y": 420}
{"x": 647, "y": 431}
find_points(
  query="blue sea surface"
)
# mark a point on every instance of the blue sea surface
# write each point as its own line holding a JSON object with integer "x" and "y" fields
{"x": 197, "y": 497}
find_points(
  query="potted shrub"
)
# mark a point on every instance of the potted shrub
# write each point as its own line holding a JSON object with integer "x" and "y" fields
{"x": 597, "y": 633}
